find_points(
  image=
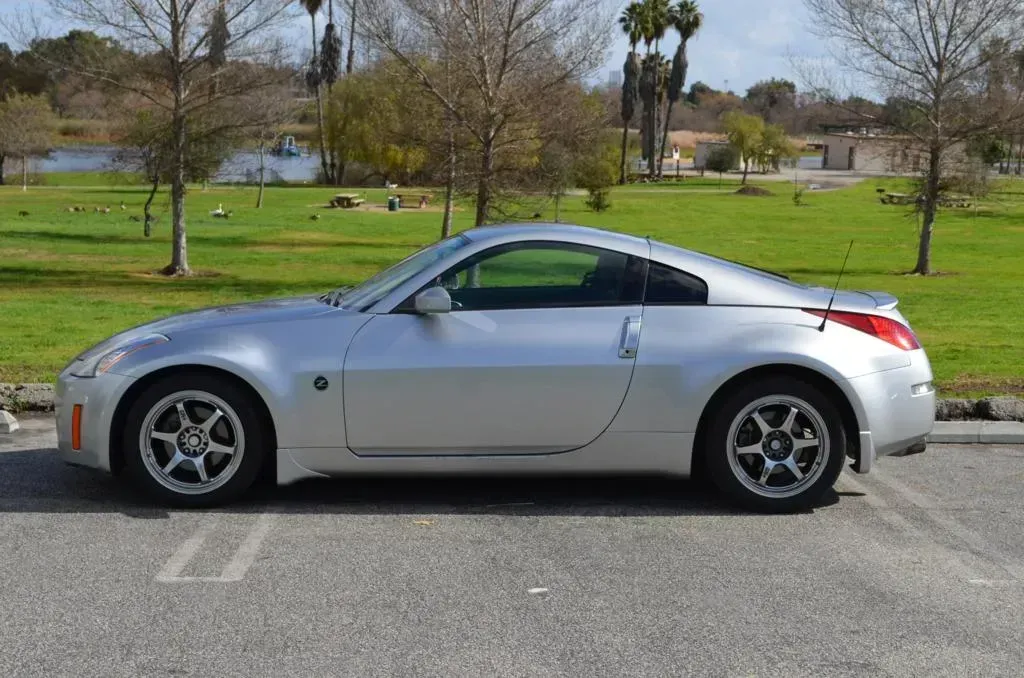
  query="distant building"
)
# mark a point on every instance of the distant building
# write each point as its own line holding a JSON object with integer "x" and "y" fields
{"x": 614, "y": 78}
{"x": 703, "y": 149}
{"x": 870, "y": 151}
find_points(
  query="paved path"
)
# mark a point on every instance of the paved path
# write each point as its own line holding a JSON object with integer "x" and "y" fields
{"x": 914, "y": 570}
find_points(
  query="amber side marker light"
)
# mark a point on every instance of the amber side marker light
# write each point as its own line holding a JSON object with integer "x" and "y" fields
{"x": 76, "y": 428}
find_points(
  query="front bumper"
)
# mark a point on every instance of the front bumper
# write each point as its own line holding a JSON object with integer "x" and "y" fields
{"x": 893, "y": 419}
{"x": 98, "y": 397}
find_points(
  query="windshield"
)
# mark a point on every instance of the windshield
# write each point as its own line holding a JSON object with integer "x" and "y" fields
{"x": 363, "y": 296}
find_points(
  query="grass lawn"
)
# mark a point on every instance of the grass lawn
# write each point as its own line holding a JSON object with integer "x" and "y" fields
{"x": 68, "y": 280}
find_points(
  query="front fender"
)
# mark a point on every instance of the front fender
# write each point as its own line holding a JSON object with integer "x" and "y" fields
{"x": 280, "y": 361}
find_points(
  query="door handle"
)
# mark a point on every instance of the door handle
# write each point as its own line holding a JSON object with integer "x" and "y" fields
{"x": 630, "y": 340}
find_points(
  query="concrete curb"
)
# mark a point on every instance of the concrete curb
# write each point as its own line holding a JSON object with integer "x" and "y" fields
{"x": 985, "y": 432}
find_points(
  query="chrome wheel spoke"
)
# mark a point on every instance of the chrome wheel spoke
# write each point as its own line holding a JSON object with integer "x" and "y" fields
{"x": 211, "y": 420}
{"x": 200, "y": 464}
{"x": 750, "y": 449}
{"x": 761, "y": 423}
{"x": 171, "y": 438}
{"x": 221, "y": 449}
{"x": 769, "y": 466}
{"x": 787, "y": 425}
{"x": 801, "y": 443}
{"x": 790, "y": 463}
{"x": 183, "y": 417}
{"x": 173, "y": 463}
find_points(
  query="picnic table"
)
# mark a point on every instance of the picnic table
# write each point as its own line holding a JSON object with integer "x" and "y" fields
{"x": 424, "y": 198}
{"x": 346, "y": 200}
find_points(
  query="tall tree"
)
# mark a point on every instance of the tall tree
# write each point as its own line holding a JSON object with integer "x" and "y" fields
{"x": 26, "y": 129}
{"x": 930, "y": 54}
{"x": 330, "y": 64}
{"x": 314, "y": 80}
{"x": 516, "y": 55}
{"x": 350, "y": 57}
{"x": 631, "y": 22}
{"x": 171, "y": 66}
{"x": 686, "y": 19}
{"x": 655, "y": 24}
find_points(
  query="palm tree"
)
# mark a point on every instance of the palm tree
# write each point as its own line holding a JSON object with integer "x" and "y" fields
{"x": 313, "y": 80}
{"x": 631, "y": 22}
{"x": 686, "y": 19}
{"x": 656, "y": 22}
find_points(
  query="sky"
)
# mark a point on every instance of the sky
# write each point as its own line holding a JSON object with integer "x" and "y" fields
{"x": 742, "y": 41}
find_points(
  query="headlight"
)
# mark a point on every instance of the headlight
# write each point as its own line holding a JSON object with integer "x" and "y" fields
{"x": 102, "y": 363}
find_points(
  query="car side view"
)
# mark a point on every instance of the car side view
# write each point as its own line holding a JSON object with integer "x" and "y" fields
{"x": 511, "y": 349}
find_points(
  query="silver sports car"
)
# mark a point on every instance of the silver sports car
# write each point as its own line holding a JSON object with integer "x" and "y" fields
{"x": 511, "y": 349}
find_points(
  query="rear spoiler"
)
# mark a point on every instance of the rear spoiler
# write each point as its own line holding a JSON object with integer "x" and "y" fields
{"x": 883, "y": 300}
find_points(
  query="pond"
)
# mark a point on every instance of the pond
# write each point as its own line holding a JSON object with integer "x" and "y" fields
{"x": 240, "y": 167}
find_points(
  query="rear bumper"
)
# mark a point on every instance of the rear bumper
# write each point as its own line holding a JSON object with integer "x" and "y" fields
{"x": 894, "y": 419}
{"x": 98, "y": 397}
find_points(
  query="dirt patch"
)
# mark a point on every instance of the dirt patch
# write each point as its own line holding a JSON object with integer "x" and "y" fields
{"x": 965, "y": 383}
{"x": 161, "y": 277}
{"x": 753, "y": 190}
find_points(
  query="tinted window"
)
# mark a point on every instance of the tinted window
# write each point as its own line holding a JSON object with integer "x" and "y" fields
{"x": 666, "y": 285}
{"x": 543, "y": 275}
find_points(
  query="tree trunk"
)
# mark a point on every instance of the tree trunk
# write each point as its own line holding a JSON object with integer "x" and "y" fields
{"x": 483, "y": 192}
{"x": 449, "y": 183}
{"x": 262, "y": 152}
{"x": 24, "y": 173}
{"x": 931, "y": 200}
{"x": 333, "y": 159}
{"x": 746, "y": 168}
{"x": 625, "y": 139}
{"x": 2, "y": 159}
{"x": 147, "y": 227}
{"x": 351, "y": 38}
{"x": 664, "y": 138}
{"x": 320, "y": 113}
{"x": 179, "y": 252}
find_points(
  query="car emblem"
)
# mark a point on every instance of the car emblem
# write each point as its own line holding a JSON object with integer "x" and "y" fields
{"x": 320, "y": 383}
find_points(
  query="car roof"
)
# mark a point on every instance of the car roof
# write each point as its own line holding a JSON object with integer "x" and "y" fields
{"x": 570, "y": 232}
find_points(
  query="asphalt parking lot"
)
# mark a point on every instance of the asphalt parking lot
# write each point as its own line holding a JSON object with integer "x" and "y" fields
{"x": 914, "y": 570}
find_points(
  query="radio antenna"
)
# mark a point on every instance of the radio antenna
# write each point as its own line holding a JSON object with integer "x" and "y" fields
{"x": 824, "y": 318}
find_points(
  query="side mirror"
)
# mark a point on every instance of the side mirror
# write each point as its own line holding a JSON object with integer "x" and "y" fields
{"x": 433, "y": 300}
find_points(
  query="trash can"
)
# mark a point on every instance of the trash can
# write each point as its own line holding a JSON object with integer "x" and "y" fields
{"x": 393, "y": 204}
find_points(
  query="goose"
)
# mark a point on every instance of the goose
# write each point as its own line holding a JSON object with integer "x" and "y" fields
{"x": 219, "y": 212}
{"x": 123, "y": 206}
{"x": 22, "y": 213}
{"x": 106, "y": 210}
{"x": 315, "y": 217}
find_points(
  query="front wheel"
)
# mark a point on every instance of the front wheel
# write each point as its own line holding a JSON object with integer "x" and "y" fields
{"x": 193, "y": 440}
{"x": 776, "y": 445}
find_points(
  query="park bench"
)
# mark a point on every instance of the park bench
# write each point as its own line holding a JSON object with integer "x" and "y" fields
{"x": 346, "y": 200}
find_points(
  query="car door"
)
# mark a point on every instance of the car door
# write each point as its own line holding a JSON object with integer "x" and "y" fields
{"x": 535, "y": 356}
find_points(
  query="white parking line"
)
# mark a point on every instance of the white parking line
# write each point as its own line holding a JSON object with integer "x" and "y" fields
{"x": 235, "y": 569}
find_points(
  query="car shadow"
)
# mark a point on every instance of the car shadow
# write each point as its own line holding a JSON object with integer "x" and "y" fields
{"x": 37, "y": 481}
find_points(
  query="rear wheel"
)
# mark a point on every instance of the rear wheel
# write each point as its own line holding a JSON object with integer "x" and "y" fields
{"x": 776, "y": 446}
{"x": 194, "y": 440}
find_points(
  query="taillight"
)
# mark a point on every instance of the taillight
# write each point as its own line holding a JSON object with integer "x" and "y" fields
{"x": 886, "y": 329}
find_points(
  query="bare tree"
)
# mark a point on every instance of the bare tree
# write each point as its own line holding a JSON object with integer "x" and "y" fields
{"x": 513, "y": 54}
{"x": 172, "y": 42}
{"x": 928, "y": 57}
{"x": 270, "y": 110}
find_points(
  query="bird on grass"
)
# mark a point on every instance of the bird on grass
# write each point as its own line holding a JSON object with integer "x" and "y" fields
{"x": 314, "y": 217}
{"x": 123, "y": 206}
{"x": 219, "y": 212}
{"x": 105, "y": 210}
{"x": 22, "y": 213}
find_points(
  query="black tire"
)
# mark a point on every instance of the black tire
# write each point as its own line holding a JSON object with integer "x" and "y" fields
{"x": 719, "y": 447}
{"x": 255, "y": 449}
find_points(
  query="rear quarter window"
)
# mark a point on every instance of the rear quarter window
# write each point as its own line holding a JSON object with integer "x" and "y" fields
{"x": 670, "y": 286}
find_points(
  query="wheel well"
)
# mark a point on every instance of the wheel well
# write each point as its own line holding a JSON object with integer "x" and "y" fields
{"x": 124, "y": 405}
{"x": 817, "y": 379}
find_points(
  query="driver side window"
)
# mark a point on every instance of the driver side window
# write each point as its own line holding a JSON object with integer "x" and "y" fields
{"x": 544, "y": 275}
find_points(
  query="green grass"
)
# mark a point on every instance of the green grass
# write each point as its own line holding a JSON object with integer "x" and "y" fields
{"x": 70, "y": 279}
